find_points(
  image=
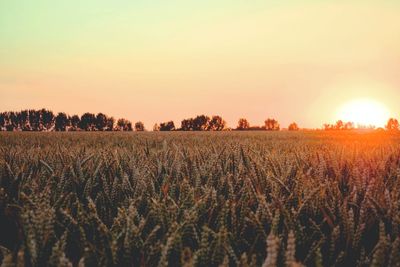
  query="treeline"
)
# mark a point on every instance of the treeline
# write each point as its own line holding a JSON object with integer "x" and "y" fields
{"x": 391, "y": 125}
{"x": 46, "y": 120}
{"x": 217, "y": 123}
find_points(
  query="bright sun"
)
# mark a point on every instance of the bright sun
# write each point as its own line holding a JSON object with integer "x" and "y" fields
{"x": 364, "y": 112}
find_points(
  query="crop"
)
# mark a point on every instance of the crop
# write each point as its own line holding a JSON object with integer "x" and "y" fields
{"x": 200, "y": 199}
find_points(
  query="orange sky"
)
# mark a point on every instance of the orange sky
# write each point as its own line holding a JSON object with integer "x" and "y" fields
{"x": 292, "y": 60}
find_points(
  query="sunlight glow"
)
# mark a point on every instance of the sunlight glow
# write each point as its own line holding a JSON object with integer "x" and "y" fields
{"x": 364, "y": 112}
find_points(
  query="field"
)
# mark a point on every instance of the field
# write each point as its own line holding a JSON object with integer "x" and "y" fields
{"x": 202, "y": 199}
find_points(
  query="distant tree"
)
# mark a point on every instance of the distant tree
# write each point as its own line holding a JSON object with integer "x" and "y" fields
{"x": 61, "y": 122}
{"x": 392, "y": 125}
{"x": 167, "y": 126}
{"x": 200, "y": 123}
{"x": 88, "y": 122}
{"x": 129, "y": 126}
{"x": 243, "y": 124}
{"x": 23, "y": 120}
{"x": 187, "y": 125}
{"x": 74, "y": 122}
{"x": 101, "y": 122}
{"x": 47, "y": 119}
{"x": 34, "y": 120}
{"x": 2, "y": 121}
{"x": 156, "y": 127}
{"x": 110, "y": 124}
{"x": 7, "y": 122}
{"x": 349, "y": 126}
{"x": 216, "y": 124}
{"x": 139, "y": 126}
{"x": 271, "y": 125}
{"x": 293, "y": 127}
{"x": 124, "y": 125}
{"x": 339, "y": 125}
{"x": 14, "y": 123}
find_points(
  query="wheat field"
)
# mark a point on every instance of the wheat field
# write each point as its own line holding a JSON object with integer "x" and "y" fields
{"x": 200, "y": 199}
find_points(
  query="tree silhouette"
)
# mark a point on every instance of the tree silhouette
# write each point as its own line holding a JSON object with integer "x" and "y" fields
{"x": 2, "y": 121}
{"x": 75, "y": 122}
{"x": 34, "y": 120}
{"x": 88, "y": 122}
{"x": 44, "y": 120}
{"x": 14, "y": 120}
{"x": 187, "y": 125}
{"x": 23, "y": 120}
{"x": 167, "y": 126}
{"x": 9, "y": 122}
{"x": 293, "y": 127}
{"x": 392, "y": 125}
{"x": 200, "y": 123}
{"x": 216, "y": 123}
{"x": 47, "y": 119}
{"x": 271, "y": 125}
{"x": 339, "y": 125}
{"x": 139, "y": 126}
{"x": 61, "y": 122}
{"x": 110, "y": 123}
{"x": 243, "y": 124}
{"x": 124, "y": 125}
{"x": 101, "y": 122}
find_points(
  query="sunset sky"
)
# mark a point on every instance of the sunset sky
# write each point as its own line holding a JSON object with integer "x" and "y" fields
{"x": 159, "y": 60}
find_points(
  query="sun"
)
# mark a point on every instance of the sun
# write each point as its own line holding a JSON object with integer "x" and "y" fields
{"x": 364, "y": 112}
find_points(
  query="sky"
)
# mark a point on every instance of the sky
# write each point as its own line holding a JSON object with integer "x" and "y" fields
{"x": 159, "y": 60}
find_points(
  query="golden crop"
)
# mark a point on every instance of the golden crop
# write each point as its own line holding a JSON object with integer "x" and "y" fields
{"x": 200, "y": 199}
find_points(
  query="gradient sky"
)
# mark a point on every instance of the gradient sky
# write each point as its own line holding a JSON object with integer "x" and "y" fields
{"x": 158, "y": 60}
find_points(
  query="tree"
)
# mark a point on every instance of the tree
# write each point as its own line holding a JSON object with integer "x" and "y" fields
{"x": 216, "y": 123}
{"x": 124, "y": 125}
{"x": 47, "y": 119}
{"x": 139, "y": 126}
{"x": 167, "y": 126}
{"x": 61, "y": 122}
{"x": 200, "y": 123}
{"x": 2, "y": 121}
{"x": 23, "y": 120}
{"x": 271, "y": 125}
{"x": 101, "y": 122}
{"x": 110, "y": 124}
{"x": 88, "y": 122}
{"x": 187, "y": 125}
{"x": 243, "y": 124}
{"x": 34, "y": 120}
{"x": 75, "y": 122}
{"x": 392, "y": 125}
{"x": 339, "y": 125}
{"x": 293, "y": 127}
{"x": 8, "y": 126}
